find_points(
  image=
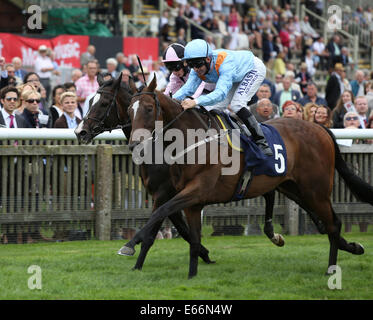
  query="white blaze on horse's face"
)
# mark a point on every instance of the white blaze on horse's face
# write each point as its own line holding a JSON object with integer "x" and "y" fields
{"x": 135, "y": 106}
{"x": 79, "y": 128}
{"x": 96, "y": 98}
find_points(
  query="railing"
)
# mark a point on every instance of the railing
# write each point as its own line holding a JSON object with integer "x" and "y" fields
{"x": 48, "y": 181}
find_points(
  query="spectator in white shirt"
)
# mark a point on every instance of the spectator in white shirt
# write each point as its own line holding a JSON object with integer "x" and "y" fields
{"x": 319, "y": 50}
{"x": 44, "y": 67}
{"x": 307, "y": 29}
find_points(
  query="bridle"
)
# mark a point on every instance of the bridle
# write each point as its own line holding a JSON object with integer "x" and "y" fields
{"x": 100, "y": 126}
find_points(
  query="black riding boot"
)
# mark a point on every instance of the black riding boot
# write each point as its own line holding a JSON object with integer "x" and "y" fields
{"x": 254, "y": 127}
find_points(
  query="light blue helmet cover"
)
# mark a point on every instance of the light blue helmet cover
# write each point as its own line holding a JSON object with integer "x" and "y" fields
{"x": 197, "y": 48}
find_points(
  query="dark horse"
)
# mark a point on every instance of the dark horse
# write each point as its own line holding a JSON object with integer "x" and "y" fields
{"x": 109, "y": 111}
{"x": 312, "y": 157}
{"x": 154, "y": 177}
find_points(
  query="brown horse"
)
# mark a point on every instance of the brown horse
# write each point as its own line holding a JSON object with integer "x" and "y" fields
{"x": 109, "y": 111}
{"x": 312, "y": 157}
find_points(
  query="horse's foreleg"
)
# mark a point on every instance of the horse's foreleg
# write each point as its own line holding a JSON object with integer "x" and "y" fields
{"x": 276, "y": 238}
{"x": 182, "y": 228}
{"x": 194, "y": 220}
{"x": 186, "y": 198}
{"x": 146, "y": 244}
{"x": 129, "y": 248}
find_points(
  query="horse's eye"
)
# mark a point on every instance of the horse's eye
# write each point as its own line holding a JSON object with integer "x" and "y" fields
{"x": 149, "y": 109}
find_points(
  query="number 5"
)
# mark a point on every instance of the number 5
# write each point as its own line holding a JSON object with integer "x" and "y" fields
{"x": 278, "y": 156}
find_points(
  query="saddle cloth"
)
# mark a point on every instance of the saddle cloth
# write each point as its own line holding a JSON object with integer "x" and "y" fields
{"x": 256, "y": 163}
{"x": 255, "y": 160}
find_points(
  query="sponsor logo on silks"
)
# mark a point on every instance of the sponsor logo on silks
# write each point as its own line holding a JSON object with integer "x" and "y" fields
{"x": 247, "y": 82}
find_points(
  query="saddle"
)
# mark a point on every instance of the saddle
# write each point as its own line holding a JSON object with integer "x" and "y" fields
{"x": 256, "y": 163}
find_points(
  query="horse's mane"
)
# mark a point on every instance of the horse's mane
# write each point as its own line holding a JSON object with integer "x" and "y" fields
{"x": 174, "y": 102}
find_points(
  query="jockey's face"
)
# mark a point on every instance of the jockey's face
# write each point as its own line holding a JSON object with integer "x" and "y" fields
{"x": 202, "y": 69}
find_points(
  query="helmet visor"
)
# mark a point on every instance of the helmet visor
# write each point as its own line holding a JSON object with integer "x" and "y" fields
{"x": 174, "y": 66}
{"x": 196, "y": 63}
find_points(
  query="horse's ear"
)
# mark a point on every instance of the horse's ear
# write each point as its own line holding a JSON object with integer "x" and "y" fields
{"x": 100, "y": 79}
{"x": 153, "y": 84}
{"x": 132, "y": 85}
{"x": 117, "y": 81}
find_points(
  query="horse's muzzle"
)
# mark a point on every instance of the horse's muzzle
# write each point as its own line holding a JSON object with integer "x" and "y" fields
{"x": 83, "y": 136}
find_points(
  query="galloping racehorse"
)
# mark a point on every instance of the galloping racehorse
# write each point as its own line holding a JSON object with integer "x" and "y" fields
{"x": 312, "y": 157}
{"x": 155, "y": 177}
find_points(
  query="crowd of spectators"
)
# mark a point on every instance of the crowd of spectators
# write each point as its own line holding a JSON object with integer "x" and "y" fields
{"x": 274, "y": 33}
{"x": 38, "y": 99}
{"x": 277, "y": 35}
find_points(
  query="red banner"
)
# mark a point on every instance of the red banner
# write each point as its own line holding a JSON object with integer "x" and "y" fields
{"x": 145, "y": 48}
{"x": 67, "y": 48}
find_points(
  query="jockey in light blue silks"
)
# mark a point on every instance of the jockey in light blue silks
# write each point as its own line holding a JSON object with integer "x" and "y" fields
{"x": 237, "y": 74}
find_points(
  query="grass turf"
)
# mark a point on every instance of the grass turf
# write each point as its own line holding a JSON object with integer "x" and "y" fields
{"x": 247, "y": 267}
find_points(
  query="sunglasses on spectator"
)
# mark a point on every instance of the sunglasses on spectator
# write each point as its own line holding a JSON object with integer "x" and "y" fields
{"x": 352, "y": 118}
{"x": 11, "y": 99}
{"x": 33, "y": 100}
{"x": 174, "y": 66}
{"x": 196, "y": 63}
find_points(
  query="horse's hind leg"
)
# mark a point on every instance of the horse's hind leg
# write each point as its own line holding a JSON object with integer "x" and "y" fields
{"x": 276, "y": 238}
{"x": 194, "y": 220}
{"x": 352, "y": 247}
{"x": 182, "y": 228}
{"x": 333, "y": 225}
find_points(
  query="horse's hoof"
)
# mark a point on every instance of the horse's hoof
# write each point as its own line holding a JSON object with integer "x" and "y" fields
{"x": 278, "y": 240}
{"x": 209, "y": 261}
{"x": 126, "y": 251}
{"x": 328, "y": 273}
{"x": 206, "y": 259}
{"x": 359, "y": 249}
{"x": 136, "y": 268}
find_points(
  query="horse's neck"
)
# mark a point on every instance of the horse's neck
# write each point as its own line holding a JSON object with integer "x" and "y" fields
{"x": 170, "y": 108}
{"x": 123, "y": 104}
{"x": 190, "y": 119}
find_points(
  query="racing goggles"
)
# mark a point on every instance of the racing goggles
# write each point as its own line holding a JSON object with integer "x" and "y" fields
{"x": 196, "y": 63}
{"x": 174, "y": 66}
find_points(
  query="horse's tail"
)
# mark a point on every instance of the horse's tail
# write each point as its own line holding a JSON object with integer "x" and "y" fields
{"x": 360, "y": 189}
